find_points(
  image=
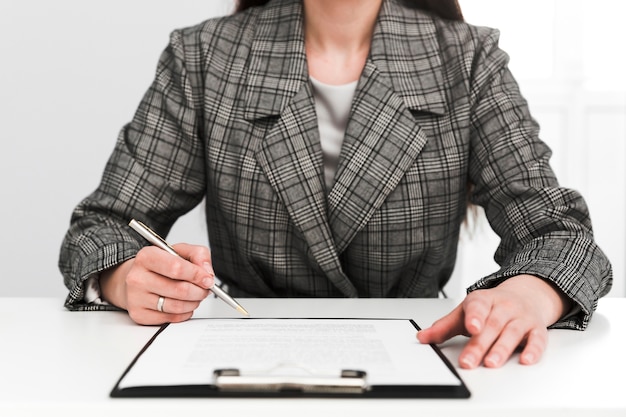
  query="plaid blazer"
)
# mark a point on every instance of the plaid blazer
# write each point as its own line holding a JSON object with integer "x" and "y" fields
{"x": 230, "y": 118}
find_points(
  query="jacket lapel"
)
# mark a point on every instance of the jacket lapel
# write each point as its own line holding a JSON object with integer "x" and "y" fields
{"x": 290, "y": 153}
{"x": 383, "y": 139}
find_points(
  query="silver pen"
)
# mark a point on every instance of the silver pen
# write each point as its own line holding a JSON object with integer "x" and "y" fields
{"x": 158, "y": 241}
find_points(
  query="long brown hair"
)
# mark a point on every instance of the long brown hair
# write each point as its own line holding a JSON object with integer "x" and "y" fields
{"x": 446, "y": 9}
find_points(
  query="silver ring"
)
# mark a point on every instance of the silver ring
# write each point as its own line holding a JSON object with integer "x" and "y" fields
{"x": 160, "y": 304}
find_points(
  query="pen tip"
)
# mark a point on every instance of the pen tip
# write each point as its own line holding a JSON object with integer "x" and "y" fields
{"x": 243, "y": 311}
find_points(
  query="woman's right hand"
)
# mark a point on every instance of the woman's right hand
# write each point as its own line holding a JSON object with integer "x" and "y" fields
{"x": 137, "y": 284}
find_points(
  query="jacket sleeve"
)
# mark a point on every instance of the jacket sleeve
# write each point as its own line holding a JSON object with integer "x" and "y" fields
{"x": 545, "y": 229}
{"x": 155, "y": 174}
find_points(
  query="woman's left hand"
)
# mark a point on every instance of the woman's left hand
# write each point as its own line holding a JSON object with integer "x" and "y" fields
{"x": 498, "y": 320}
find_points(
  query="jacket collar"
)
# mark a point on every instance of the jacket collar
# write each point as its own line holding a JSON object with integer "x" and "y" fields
{"x": 277, "y": 66}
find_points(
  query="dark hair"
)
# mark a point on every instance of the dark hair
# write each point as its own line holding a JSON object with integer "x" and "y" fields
{"x": 446, "y": 9}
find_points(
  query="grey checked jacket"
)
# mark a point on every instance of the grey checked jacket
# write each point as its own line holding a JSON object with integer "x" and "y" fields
{"x": 230, "y": 117}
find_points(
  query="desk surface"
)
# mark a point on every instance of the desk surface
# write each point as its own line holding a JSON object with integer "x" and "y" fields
{"x": 53, "y": 360}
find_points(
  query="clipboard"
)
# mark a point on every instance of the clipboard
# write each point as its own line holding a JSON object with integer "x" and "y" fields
{"x": 284, "y": 378}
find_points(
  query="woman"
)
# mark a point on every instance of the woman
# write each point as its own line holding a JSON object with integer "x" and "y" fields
{"x": 334, "y": 142}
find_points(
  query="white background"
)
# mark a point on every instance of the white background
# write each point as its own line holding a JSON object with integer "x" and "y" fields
{"x": 72, "y": 73}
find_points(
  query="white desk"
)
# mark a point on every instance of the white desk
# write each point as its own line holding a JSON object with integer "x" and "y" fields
{"x": 53, "y": 361}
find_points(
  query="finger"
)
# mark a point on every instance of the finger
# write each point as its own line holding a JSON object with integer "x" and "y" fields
{"x": 174, "y": 267}
{"x": 443, "y": 329}
{"x": 477, "y": 307}
{"x": 152, "y": 317}
{"x": 143, "y": 291}
{"x": 510, "y": 338}
{"x": 179, "y": 290}
{"x": 536, "y": 343}
{"x": 196, "y": 254}
{"x": 145, "y": 310}
{"x": 172, "y": 305}
{"x": 481, "y": 342}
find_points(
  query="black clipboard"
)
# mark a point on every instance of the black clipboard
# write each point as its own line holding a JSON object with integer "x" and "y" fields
{"x": 233, "y": 383}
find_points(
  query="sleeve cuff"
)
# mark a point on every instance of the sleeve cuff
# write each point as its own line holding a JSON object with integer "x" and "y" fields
{"x": 584, "y": 301}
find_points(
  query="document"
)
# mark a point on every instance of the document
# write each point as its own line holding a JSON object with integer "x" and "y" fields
{"x": 386, "y": 350}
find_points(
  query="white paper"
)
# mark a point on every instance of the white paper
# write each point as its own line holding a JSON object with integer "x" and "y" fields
{"x": 387, "y": 350}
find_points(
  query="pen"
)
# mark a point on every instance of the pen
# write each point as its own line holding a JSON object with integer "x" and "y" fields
{"x": 158, "y": 241}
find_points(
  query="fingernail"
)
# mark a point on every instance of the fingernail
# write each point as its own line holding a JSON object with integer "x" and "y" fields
{"x": 468, "y": 361}
{"x": 493, "y": 360}
{"x": 207, "y": 282}
{"x": 475, "y": 323}
{"x": 528, "y": 358}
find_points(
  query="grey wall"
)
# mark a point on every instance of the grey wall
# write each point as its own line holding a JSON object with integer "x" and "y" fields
{"x": 71, "y": 74}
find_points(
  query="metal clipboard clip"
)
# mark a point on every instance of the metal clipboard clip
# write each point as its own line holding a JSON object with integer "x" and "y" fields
{"x": 304, "y": 381}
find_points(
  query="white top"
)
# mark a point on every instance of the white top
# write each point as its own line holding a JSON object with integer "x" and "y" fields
{"x": 332, "y": 104}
